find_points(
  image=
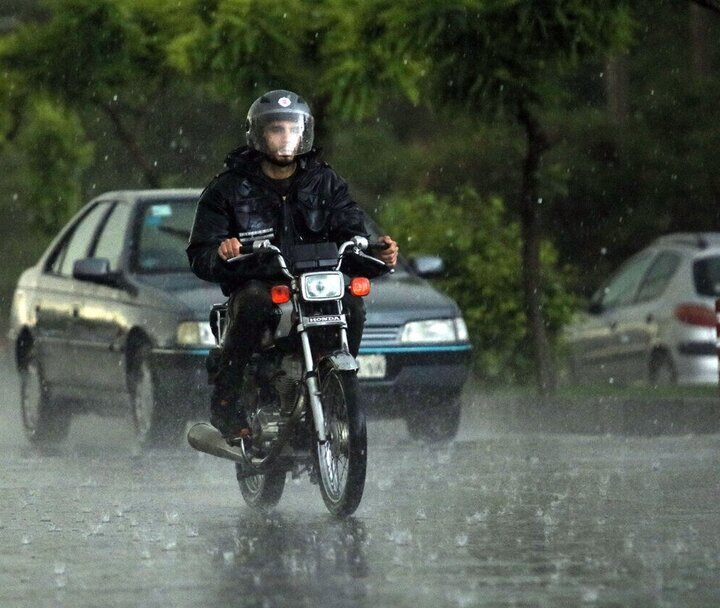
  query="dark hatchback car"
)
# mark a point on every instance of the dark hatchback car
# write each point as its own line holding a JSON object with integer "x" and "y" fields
{"x": 111, "y": 320}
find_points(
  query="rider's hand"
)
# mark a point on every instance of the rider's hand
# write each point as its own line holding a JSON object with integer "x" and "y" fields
{"x": 389, "y": 255}
{"x": 229, "y": 248}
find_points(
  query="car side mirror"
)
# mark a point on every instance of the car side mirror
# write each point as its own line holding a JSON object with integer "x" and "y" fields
{"x": 428, "y": 265}
{"x": 97, "y": 270}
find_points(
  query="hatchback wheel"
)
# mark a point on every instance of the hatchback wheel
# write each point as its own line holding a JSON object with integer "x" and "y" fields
{"x": 662, "y": 371}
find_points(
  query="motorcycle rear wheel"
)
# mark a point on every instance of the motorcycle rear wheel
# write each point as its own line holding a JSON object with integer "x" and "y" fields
{"x": 261, "y": 492}
{"x": 342, "y": 459}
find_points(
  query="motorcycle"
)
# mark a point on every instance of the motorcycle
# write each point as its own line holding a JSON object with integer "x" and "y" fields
{"x": 300, "y": 389}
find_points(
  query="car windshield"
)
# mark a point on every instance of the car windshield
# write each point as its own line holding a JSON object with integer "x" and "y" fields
{"x": 706, "y": 274}
{"x": 164, "y": 231}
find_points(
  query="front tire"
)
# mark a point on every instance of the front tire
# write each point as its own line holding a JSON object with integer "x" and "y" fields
{"x": 44, "y": 420}
{"x": 261, "y": 492}
{"x": 154, "y": 420}
{"x": 342, "y": 459}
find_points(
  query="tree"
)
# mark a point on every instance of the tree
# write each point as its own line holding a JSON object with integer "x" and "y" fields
{"x": 485, "y": 58}
{"x": 109, "y": 54}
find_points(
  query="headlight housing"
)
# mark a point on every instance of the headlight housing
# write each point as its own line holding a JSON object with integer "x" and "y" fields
{"x": 319, "y": 286}
{"x": 434, "y": 331}
{"x": 194, "y": 333}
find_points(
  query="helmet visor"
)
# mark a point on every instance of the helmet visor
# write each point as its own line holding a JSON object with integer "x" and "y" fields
{"x": 282, "y": 134}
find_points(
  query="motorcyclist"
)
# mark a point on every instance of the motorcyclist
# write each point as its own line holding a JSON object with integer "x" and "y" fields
{"x": 274, "y": 187}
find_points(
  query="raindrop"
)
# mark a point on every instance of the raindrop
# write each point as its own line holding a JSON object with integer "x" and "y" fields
{"x": 461, "y": 540}
{"x": 401, "y": 537}
{"x": 420, "y": 514}
{"x": 59, "y": 568}
{"x": 106, "y": 518}
{"x": 26, "y": 539}
{"x": 172, "y": 517}
{"x": 228, "y": 557}
{"x": 145, "y": 553}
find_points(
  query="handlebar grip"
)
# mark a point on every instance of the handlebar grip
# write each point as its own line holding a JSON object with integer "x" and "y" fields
{"x": 376, "y": 247}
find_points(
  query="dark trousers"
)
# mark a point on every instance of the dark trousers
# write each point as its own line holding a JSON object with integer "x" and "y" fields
{"x": 249, "y": 312}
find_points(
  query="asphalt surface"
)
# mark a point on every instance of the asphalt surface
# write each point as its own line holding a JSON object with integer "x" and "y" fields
{"x": 497, "y": 518}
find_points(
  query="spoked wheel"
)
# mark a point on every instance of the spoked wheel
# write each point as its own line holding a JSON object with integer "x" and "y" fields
{"x": 261, "y": 492}
{"x": 342, "y": 459}
{"x": 44, "y": 420}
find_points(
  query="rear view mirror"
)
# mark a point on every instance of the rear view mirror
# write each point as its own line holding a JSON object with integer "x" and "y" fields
{"x": 428, "y": 265}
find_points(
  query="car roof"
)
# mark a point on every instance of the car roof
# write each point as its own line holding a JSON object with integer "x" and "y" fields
{"x": 150, "y": 194}
{"x": 690, "y": 240}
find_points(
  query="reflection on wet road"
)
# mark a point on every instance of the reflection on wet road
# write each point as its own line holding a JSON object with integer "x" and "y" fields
{"x": 494, "y": 519}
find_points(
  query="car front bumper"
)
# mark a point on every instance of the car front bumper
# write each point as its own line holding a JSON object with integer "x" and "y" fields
{"x": 416, "y": 376}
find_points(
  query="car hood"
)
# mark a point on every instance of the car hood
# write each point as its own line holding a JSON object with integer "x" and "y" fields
{"x": 186, "y": 290}
{"x": 396, "y": 299}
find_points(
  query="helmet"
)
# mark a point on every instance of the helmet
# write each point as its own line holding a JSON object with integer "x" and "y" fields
{"x": 280, "y": 106}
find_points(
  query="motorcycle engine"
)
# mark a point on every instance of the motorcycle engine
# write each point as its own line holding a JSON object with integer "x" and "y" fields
{"x": 266, "y": 424}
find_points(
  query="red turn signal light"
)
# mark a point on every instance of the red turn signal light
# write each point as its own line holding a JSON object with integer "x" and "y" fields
{"x": 360, "y": 286}
{"x": 280, "y": 294}
{"x": 695, "y": 314}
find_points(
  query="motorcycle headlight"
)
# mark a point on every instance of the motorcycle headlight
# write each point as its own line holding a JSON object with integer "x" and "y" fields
{"x": 318, "y": 286}
{"x": 195, "y": 333}
{"x": 434, "y": 330}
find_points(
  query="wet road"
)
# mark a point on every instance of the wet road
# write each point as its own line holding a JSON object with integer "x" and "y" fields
{"x": 494, "y": 519}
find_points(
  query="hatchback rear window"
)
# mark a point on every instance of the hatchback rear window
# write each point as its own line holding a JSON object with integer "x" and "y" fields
{"x": 706, "y": 274}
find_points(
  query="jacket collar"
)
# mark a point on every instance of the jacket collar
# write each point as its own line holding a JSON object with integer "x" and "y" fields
{"x": 246, "y": 161}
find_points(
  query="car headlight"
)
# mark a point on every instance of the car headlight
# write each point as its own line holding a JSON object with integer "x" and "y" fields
{"x": 195, "y": 333}
{"x": 318, "y": 286}
{"x": 434, "y": 330}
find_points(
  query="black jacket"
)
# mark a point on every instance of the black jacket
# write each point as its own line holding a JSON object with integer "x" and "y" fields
{"x": 243, "y": 200}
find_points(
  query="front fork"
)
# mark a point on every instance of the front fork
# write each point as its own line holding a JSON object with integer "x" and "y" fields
{"x": 311, "y": 382}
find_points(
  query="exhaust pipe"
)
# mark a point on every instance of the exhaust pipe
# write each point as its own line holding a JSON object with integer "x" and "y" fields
{"x": 206, "y": 438}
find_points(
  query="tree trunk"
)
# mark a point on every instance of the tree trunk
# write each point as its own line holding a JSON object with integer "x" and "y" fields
{"x": 150, "y": 172}
{"x": 537, "y": 144}
{"x": 699, "y": 41}
{"x": 617, "y": 89}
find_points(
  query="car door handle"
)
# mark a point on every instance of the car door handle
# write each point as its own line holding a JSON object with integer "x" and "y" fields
{"x": 76, "y": 312}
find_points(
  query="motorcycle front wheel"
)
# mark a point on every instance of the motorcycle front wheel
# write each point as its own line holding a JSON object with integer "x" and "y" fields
{"x": 342, "y": 458}
{"x": 261, "y": 492}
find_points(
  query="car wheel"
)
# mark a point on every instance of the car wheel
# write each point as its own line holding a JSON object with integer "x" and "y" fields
{"x": 662, "y": 370}
{"x": 44, "y": 420}
{"x": 436, "y": 422}
{"x": 153, "y": 420}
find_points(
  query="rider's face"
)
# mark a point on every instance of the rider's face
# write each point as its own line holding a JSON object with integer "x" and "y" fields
{"x": 282, "y": 138}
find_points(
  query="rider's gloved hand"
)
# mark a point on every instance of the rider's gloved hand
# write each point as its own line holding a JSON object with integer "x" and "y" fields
{"x": 388, "y": 255}
{"x": 229, "y": 248}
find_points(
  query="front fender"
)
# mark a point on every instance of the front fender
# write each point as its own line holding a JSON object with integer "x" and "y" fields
{"x": 340, "y": 360}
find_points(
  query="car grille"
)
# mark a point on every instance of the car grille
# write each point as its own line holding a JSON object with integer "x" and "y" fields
{"x": 379, "y": 335}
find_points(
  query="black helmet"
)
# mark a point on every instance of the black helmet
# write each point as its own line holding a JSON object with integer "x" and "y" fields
{"x": 279, "y": 106}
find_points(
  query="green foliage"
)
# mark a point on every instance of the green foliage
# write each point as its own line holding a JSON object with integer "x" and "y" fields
{"x": 489, "y": 55}
{"x": 55, "y": 154}
{"x": 481, "y": 249}
{"x": 245, "y": 46}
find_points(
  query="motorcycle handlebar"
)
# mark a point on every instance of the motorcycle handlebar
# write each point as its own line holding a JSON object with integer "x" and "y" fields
{"x": 358, "y": 243}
